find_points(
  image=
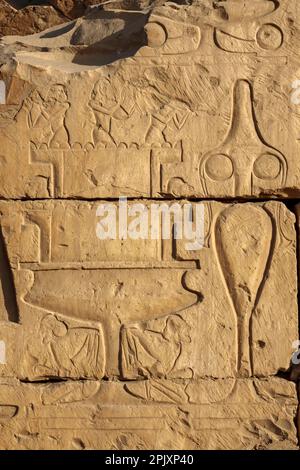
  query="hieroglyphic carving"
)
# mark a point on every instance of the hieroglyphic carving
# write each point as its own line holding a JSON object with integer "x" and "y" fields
{"x": 155, "y": 348}
{"x": 137, "y": 108}
{"x": 158, "y": 350}
{"x": 249, "y": 230}
{"x": 158, "y": 390}
{"x": 248, "y": 27}
{"x": 166, "y": 36}
{"x": 46, "y": 118}
{"x": 183, "y": 100}
{"x": 69, "y": 392}
{"x": 62, "y": 351}
{"x": 105, "y": 103}
{"x": 243, "y": 159}
{"x": 242, "y": 164}
{"x": 72, "y": 281}
{"x": 30, "y": 421}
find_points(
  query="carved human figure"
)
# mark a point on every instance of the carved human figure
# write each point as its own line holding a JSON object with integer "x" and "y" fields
{"x": 62, "y": 351}
{"x": 152, "y": 351}
{"x": 147, "y": 95}
{"x": 46, "y": 117}
{"x": 37, "y": 119}
{"x": 166, "y": 124}
{"x": 105, "y": 99}
{"x": 134, "y": 112}
{"x": 56, "y": 106}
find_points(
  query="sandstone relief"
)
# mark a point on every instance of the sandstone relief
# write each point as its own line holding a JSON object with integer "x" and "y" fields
{"x": 174, "y": 324}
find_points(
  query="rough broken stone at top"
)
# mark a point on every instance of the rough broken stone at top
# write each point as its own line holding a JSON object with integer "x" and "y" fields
{"x": 29, "y": 20}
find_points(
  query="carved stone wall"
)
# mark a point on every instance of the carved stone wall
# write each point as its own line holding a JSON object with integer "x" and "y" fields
{"x": 28, "y": 20}
{"x": 144, "y": 342}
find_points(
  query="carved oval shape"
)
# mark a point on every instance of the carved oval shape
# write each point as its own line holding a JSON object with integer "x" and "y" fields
{"x": 219, "y": 167}
{"x": 156, "y": 34}
{"x": 267, "y": 167}
{"x": 269, "y": 37}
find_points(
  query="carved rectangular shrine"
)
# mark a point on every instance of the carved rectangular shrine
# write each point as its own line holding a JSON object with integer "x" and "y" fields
{"x": 151, "y": 342}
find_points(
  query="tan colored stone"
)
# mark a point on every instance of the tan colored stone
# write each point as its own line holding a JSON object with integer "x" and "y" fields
{"x": 295, "y": 362}
{"x": 139, "y": 341}
{"x": 205, "y": 105}
{"x": 61, "y": 271}
{"x": 108, "y": 415}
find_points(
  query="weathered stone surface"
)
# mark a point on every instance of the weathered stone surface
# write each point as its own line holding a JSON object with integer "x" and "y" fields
{"x": 72, "y": 8}
{"x": 88, "y": 415}
{"x": 295, "y": 361}
{"x": 29, "y": 20}
{"x": 81, "y": 310}
{"x": 59, "y": 267}
{"x": 139, "y": 340}
{"x": 203, "y": 103}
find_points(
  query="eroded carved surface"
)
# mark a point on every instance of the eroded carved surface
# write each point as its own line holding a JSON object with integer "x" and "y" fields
{"x": 142, "y": 342}
{"x": 204, "y": 100}
{"x": 92, "y": 416}
{"x": 85, "y": 313}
